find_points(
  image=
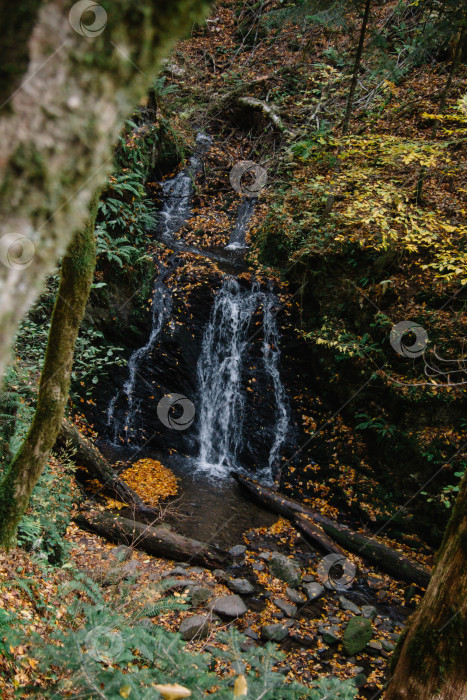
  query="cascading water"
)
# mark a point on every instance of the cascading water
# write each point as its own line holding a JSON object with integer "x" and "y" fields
{"x": 244, "y": 214}
{"x": 220, "y": 377}
{"x": 160, "y": 314}
{"x": 178, "y": 191}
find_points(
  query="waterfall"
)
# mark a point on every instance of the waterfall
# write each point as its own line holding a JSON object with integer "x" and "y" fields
{"x": 271, "y": 354}
{"x": 220, "y": 366}
{"x": 178, "y": 191}
{"x": 244, "y": 214}
{"x": 160, "y": 313}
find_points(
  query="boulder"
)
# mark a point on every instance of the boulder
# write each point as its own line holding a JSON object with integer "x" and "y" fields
{"x": 240, "y": 585}
{"x": 356, "y": 635}
{"x": 194, "y": 626}
{"x": 285, "y": 569}
{"x": 368, "y": 611}
{"x": 229, "y": 606}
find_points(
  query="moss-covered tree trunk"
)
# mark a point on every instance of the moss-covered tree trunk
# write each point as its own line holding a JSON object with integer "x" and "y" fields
{"x": 73, "y": 292}
{"x": 66, "y": 91}
{"x": 430, "y": 661}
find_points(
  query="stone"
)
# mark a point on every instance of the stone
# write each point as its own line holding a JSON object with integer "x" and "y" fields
{"x": 181, "y": 584}
{"x": 194, "y": 626}
{"x": 278, "y": 615}
{"x": 257, "y": 566}
{"x": 347, "y": 604}
{"x": 395, "y": 636}
{"x": 287, "y": 608}
{"x": 240, "y": 585}
{"x": 308, "y": 578}
{"x": 265, "y": 556}
{"x": 382, "y": 595}
{"x": 360, "y": 680}
{"x": 230, "y": 606}
{"x": 329, "y": 636}
{"x": 387, "y": 645}
{"x": 178, "y": 571}
{"x": 374, "y": 648}
{"x": 130, "y": 569}
{"x": 200, "y": 595}
{"x": 220, "y": 575}
{"x": 122, "y": 553}
{"x": 237, "y": 551}
{"x": 195, "y": 570}
{"x": 285, "y": 569}
{"x": 274, "y": 633}
{"x": 313, "y": 590}
{"x": 368, "y": 611}
{"x": 249, "y": 632}
{"x": 356, "y": 635}
{"x": 295, "y": 596}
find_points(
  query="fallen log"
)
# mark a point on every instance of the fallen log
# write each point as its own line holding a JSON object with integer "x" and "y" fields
{"x": 92, "y": 460}
{"x": 158, "y": 541}
{"x": 387, "y": 559}
{"x": 316, "y": 534}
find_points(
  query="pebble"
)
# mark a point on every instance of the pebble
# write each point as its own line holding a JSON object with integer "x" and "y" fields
{"x": 195, "y": 570}
{"x": 249, "y": 632}
{"x": 368, "y": 611}
{"x": 347, "y": 604}
{"x": 194, "y": 626}
{"x": 265, "y": 555}
{"x": 229, "y": 606}
{"x": 274, "y": 633}
{"x": 373, "y": 648}
{"x": 257, "y": 566}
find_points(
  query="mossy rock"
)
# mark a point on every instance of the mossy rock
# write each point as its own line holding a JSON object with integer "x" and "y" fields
{"x": 356, "y": 635}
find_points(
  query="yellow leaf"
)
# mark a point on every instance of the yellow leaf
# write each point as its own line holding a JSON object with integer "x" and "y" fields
{"x": 240, "y": 687}
{"x": 125, "y": 691}
{"x": 173, "y": 691}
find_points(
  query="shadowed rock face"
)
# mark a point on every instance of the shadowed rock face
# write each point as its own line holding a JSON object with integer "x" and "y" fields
{"x": 190, "y": 344}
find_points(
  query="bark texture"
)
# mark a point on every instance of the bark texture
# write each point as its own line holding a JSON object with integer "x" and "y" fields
{"x": 90, "y": 458}
{"x": 430, "y": 660}
{"x": 157, "y": 541}
{"x": 65, "y": 99}
{"x": 23, "y": 473}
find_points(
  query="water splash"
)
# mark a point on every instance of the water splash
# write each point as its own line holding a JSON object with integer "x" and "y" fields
{"x": 244, "y": 214}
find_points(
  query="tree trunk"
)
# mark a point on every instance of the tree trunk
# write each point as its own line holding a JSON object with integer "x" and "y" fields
{"x": 348, "y": 111}
{"x": 389, "y": 560}
{"x": 90, "y": 458}
{"x": 75, "y": 283}
{"x": 63, "y": 104}
{"x": 430, "y": 660}
{"x": 157, "y": 541}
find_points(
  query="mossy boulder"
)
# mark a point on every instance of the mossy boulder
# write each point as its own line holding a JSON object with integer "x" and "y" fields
{"x": 356, "y": 635}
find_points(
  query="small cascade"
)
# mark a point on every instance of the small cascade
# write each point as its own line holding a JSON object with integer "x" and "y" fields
{"x": 220, "y": 373}
{"x": 178, "y": 191}
{"x": 271, "y": 354}
{"x": 126, "y": 400}
{"x": 244, "y": 214}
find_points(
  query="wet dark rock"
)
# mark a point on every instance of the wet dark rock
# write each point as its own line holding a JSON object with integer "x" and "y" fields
{"x": 249, "y": 632}
{"x": 359, "y": 680}
{"x": 308, "y": 578}
{"x": 278, "y": 615}
{"x": 356, "y": 635}
{"x": 194, "y": 626}
{"x": 368, "y": 611}
{"x": 229, "y": 606}
{"x": 220, "y": 575}
{"x": 240, "y": 585}
{"x": 347, "y": 604}
{"x": 287, "y": 608}
{"x": 387, "y": 645}
{"x": 237, "y": 551}
{"x": 295, "y": 596}
{"x": 275, "y": 632}
{"x": 285, "y": 569}
{"x": 313, "y": 590}
{"x": 374, "y": 648}
{"x": 330, "y": 635}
